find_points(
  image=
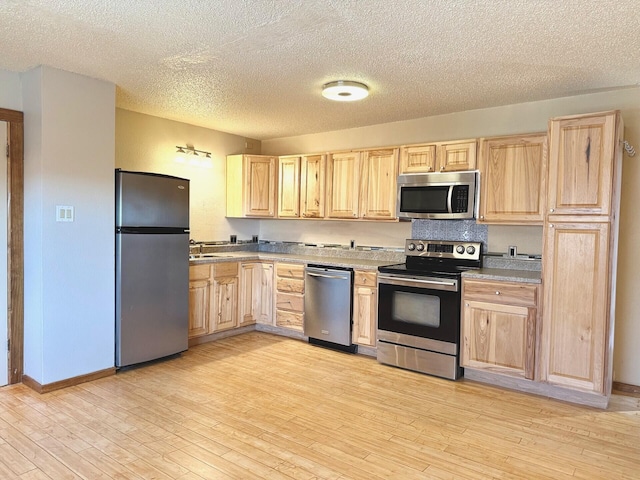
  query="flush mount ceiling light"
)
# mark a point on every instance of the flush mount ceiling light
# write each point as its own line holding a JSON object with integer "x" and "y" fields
{"x": 345, "y": 91}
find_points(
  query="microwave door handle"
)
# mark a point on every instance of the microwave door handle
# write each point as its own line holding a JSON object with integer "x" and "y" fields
{"x": 449, "y": 197}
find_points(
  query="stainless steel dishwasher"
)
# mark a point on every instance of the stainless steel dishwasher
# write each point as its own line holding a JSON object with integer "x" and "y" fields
{"x": 328, "y": 306}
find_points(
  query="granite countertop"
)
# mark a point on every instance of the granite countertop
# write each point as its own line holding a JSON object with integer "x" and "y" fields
{"x": 240, "y": 256}
{"x": 504, "y": 275}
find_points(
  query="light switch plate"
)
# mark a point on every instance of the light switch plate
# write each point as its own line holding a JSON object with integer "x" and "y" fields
{"x": 64, "y": 213}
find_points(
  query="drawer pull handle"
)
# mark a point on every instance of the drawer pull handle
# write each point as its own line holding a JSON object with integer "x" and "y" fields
{"x": 497, "y": 292}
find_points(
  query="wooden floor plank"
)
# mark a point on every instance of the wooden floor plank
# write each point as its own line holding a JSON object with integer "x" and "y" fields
{"x": 266, "y": 407}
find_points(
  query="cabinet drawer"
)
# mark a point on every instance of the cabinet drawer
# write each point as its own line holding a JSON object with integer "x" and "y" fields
{"x": 289, "y": 319}
{"x": 199, "y": 272}
{"x": 227, "y": 269}
{"x": 290, "y": 301}
{"x": 290, "y": 270}
{"x": 290, "y": 285}
{"x": 524, "y": 294}
{"x": 364, "y": 278}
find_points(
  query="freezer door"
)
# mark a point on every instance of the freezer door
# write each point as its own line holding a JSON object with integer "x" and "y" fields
{"x": 152, "y": 296}
{"x": 151, "y": 200}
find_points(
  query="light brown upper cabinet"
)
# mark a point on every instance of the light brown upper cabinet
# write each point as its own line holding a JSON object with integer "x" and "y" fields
{"x": 343, "y": 186}
{"x": 438, "y": 157}
{"x": 581, "y": 155}
{"x": 378, "y": 184}
{"x": 251, "y": 186}
{"x": 312, "y": 186}
{"x": 289, "y": 187}
{"x": 513, "y": 179}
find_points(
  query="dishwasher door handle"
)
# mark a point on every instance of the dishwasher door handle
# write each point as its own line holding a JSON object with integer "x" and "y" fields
{"x": 335, "y": 277}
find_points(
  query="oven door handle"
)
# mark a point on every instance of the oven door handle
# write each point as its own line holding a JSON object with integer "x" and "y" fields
{"x": 450, "y": 285}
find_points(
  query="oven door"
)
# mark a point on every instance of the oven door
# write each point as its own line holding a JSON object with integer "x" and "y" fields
{"x": 427, "y": 307}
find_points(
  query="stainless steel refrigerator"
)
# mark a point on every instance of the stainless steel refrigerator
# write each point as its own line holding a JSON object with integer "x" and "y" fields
{"x": 152, "y": 266}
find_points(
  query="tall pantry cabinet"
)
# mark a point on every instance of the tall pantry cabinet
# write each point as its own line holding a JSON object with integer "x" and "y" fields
{"x": 579, "y": 253}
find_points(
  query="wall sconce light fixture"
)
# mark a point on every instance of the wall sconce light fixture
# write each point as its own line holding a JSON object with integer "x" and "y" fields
{"x": 189, "y": 155}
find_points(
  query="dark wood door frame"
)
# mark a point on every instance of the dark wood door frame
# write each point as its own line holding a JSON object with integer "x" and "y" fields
{"x": 15, "y": 237}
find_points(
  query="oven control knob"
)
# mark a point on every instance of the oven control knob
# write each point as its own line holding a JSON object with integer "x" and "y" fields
{"x": 411, "y": 247}
{"x": 460, "y": 249}
{"x": 471, "y": 249}
{"x": 420, "y": 247}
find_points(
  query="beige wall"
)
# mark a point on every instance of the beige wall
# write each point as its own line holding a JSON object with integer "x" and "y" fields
{"x": 510, "y": 119}
{"x": 147, "y": 143}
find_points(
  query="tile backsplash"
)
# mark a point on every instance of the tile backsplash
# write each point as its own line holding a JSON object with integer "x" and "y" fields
{"x": 466, "y": 230}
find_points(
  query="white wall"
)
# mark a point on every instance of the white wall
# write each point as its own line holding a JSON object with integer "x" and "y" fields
{"x": 147, "y": 143}
{"x": 522, "y": 118}
{"x": 10, "y": 90}
{"x": 69, "y": 267}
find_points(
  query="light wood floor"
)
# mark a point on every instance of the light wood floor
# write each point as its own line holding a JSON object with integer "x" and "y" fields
{"x": 262, "y": 406}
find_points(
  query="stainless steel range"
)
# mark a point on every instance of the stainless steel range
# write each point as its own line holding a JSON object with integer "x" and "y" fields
{"x": 419, "y": 306}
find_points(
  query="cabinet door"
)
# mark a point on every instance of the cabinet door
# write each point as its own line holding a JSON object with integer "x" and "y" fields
{"x": 418, "y": 159}
{"x": 264, "y": 307}
{"x": 226, "y": 303}
{"x": 576, "y": 305}
{"x": 259, "y": 186}
{"x": 343, "y": 192}
{"x": 289, "y": 187}
{"x": 499, "y": 338}
{"x": 365, "y": 306}
{"x": 456, "y": 156}
{"x": 312, "y": 186}
{"x": 513, "y": 171}
{"x": 249, "y": 293}
{"x": 581, "y": 157}
{"x": 256, "y": 294}
{"x": 199, "y": 307}
{"x": 379, "y": 180}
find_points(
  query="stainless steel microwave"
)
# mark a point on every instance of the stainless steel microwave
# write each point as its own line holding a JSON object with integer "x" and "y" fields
{"x": 450, "y": 196}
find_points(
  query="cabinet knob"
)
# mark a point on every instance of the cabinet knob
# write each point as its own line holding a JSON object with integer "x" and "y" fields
{"x": 442, "y": 169}
{"x": 497, "y": 292}
{"x": 466, "y": 304}
{"x": 481, "y": 217}
{"x": 430, "y": 169}
{"x": 551, "y": 210}
{"x": 551, "y": 225}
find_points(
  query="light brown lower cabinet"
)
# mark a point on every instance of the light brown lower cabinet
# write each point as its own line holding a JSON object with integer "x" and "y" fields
{"x": 199, "y": 299}
{"x": 256, "y": 293}
{"x": 290, "y": 295}
{"x": 213, "y": 298}
{"x": 499, "y": 327}
{"x": 576, "y": 328}
{"x": 225, "y": 297}
{"x": 365, "y": 308}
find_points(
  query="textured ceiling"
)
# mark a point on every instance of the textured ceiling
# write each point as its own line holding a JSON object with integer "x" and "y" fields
{"x": 255, "y": 68}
